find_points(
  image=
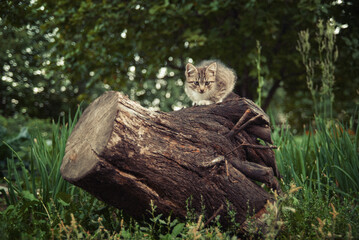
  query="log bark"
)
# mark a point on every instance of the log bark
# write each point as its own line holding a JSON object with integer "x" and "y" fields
{"x": 128, "y": 156}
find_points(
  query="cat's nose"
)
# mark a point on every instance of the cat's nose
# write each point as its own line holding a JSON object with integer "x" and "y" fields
{"x": 201, "y": 91}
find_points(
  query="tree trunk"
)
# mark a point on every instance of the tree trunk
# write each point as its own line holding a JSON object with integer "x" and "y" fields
{"x": 127, "y": 155}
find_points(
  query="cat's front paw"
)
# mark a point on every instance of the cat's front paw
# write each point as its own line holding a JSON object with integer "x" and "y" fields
{"x": 204, "y": 102}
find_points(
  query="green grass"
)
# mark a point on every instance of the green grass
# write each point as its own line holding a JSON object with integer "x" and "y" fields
{"x": 17, "y": 132}
{"x": 38, "y": 197}
{"x": 320, "y": 200}
{"x": 324, "y": 158}
{"x": 324, "y": 163}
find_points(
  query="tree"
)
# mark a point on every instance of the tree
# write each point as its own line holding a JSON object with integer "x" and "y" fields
{"x": 122, "y": 45}
{"x": 28, "y": 85}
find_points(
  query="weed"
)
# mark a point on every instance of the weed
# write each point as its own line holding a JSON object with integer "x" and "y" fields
{"x": 259, "y": 76}
{"x": 323, "y": 98}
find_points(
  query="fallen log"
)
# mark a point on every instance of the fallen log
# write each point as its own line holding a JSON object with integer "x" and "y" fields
{"x": 128, "y": 156}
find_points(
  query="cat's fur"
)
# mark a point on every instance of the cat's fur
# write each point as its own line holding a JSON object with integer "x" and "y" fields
{"x": 208, "y": 82}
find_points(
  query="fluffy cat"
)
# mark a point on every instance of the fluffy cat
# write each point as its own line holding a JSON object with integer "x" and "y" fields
{"x": 208, "y": 82}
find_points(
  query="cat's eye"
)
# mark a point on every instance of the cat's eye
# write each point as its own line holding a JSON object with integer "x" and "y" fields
{"x": 207, "y": 83}
{"x": 196, "y": 83}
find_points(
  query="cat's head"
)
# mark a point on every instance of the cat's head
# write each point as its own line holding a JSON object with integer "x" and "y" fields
{"x": 201, "y": 79}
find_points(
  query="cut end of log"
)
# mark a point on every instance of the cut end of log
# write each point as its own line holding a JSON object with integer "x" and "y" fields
{"x": 89, "y": 137}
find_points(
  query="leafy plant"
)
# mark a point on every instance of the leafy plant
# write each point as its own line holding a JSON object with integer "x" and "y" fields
{"x": 16, "y": 132}
{"x": 325, "y": 157}
{"x": 259, "y": 76}
{"x": 36, "y": 190}
{"x": 323, "y": 97}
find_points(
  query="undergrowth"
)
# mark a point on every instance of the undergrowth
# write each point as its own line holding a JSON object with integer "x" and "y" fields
{"x": 319, "y": 201}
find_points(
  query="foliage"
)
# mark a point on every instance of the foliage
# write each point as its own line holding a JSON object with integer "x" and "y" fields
{"x": 58, "y": 53}
{"x": 259, "y": 77}
{"x": 36, "y": 190}
{"x": 324, "y": 163}
{"x": 324, "y": 158}
{"x": 16, "y": 133}
{"x": 294, "y": 216}
{"x": 40, "y": 204}
{"x": 327, "y": 55}
{"x": 27, "y": 85}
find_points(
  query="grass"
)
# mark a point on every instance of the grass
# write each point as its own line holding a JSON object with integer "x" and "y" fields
{"x": 17, "y": 132}
{"x": 324, "y": 163}
{"x": 320, "y": 200}
{"x": 324, "y": 158}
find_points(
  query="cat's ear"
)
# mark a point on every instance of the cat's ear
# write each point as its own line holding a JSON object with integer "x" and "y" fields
{"x": 190, "y": 70}
{"x": 212, "y": 69}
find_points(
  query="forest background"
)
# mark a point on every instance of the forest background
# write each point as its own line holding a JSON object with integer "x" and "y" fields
{"x": 56, "y": 54}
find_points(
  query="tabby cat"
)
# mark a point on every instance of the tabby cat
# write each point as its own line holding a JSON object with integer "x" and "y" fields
{"x": 208, "y": 82}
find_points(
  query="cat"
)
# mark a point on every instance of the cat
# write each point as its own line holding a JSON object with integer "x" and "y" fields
{"x": 208, "y": 82}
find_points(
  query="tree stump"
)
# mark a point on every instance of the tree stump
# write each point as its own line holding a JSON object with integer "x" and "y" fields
{"x": 128, "y": 156}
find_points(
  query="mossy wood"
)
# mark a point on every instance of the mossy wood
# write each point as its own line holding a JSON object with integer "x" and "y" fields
{"x": 127, "y": 155}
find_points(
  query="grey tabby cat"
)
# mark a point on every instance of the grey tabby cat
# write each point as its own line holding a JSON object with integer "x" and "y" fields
{"x": 209, "y": 82}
